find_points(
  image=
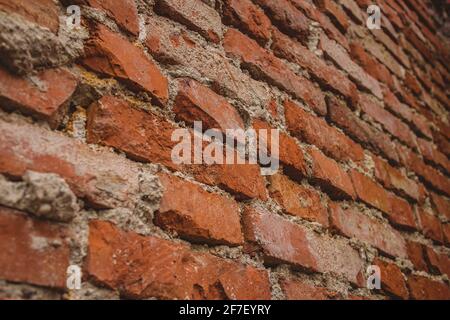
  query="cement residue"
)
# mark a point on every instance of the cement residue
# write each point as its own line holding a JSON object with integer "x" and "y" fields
{"x": 42, "y": 194}
{"x": 25, "y": 47}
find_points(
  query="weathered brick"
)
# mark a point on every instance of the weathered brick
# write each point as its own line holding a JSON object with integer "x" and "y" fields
{"x": 265, "y": 64}
{"x": 197, "y": 215}
{"x": 441, "y": 205}
{"x": 397, "y": 209}
{"x": 438, "y": 262}
{"x": 433, "y": 177}
{"x": 144, "y": 267}
{"x": 32, "y": 251}
{"x": 415, "y": 120}
{"x": 174, "y": 47}
{"x": 446, "y": 231}
{"x": 355, "y": 72}
{"x": 325, "y": 74}
{"x": 245, "y": 15}
{"x": 195, "y": 14}
{"x": 141, "y": 135}
{"x": 392, "y": 279}
{"x": 330, "y": 176}
{"x": 287, "y": 17}
{"x": 352, "y": 223}
{"x": 412, "y": 83}
{"x": 124, "y": 12}
{"x": 391, "y": 124}
{"x": 416, "y": 255}
{"x": 42, "y": 12}
{"x": 282, "y": 241}
{"x": 335, "y": 12}
{"x": 430, "y": 225}
{"x": 377, "y": 50}
{"x": 313, "y": 130}
{"x": 298, "y": 200}
{"x": 195, "y": 102}
{"x": 44, "y": 96}
{"x": 314, "y": 14}
{"x": 394, "y": 179}
{"x": 432, "y": 154}
{"x": 353, "y": 10}
{"x": 371, "y": 65}
{"x": 244, "y": 181}
{"x": 422, "y": 288}
{"x": 360, "y": 130}
{"x": 101, "y": 178}
{"x": 301, "y": 290}
{"x": 112, "y": 55}
{"x": 290, "y": 153}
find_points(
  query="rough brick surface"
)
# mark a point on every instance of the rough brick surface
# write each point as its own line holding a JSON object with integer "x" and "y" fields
{"x": 198, "y": 215}
{"x": 32, "y": 251}
{"x": 142, "y": 267}
{"x": 44, "y": 96}
{"x": 101, "y": 120}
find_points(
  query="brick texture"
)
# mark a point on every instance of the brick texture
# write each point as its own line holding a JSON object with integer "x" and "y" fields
{"x": 103, "y": 109}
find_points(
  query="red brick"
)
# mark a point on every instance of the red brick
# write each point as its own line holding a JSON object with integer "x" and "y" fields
{"x": 433, "y": 177}
{"x": 195, "y": 102}
{"x": 313, "y": 130}
{"x": 430, "y": 225}
{"x": 432, "y": 154}
{"x": 124, "y": 12}
{"x": 392, "y": 279}
{"x": 287, "y": 17}
{"x": 45, "y": 97}
{"x": 446, "y": 231}
{"x": 422, "y": 288}
{"x": 243, "y": 14}
{"x": 442, "y": 143}
{"x": 242, "y": 180}
{"x": 290, "y": 153}
{"x": 441, "y": 205}
{"x": 265, "y": 64}
{"x": 340, "y": 57}
{"x": 195, "y": 14}
{"x": 438, "y": 262}
{"x": 416, "y": 255}
{"x": 354, "y": 224}
{"x": 42, "y": 12}
{"x": 112, "y": 55}
{"x": 391, "y": 124}
{"x": 174, "y": 47}
{"x": 282, "y": 241}
{"x": 113, "y": 122}
{"x": 397, "y": 209}
{"x": 376, "y": 49}
{"x": 313, "y": 13}
{"x": 197, "y": 215}
{"x": 394, "y": 49}
{"x": 325, "y": 74}
{"x": 32, "y": 251}
{"x": 144, "y": 267}
{"x": 298, "y": 200}
{"x": 415, "y": 120}
{"x": 330, "y": 176}
{"x": 301, "y": 290}
{"x": 101, "y": 178}
{"x": 335, "y": 12}
{"x": 371, "y": 65}
{"x": 353, "y": 10}
{"x": 394, "y": 179}
{"x": 412, "y": 83}
{"x": 141, "y": 135}
{"x": 360, "y": 130}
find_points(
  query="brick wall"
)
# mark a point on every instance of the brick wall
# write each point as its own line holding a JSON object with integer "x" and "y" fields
{"x": 87, "y": 179}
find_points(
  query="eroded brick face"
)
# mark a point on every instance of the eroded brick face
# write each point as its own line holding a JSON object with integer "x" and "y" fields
{"x": 363, "y": 149}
